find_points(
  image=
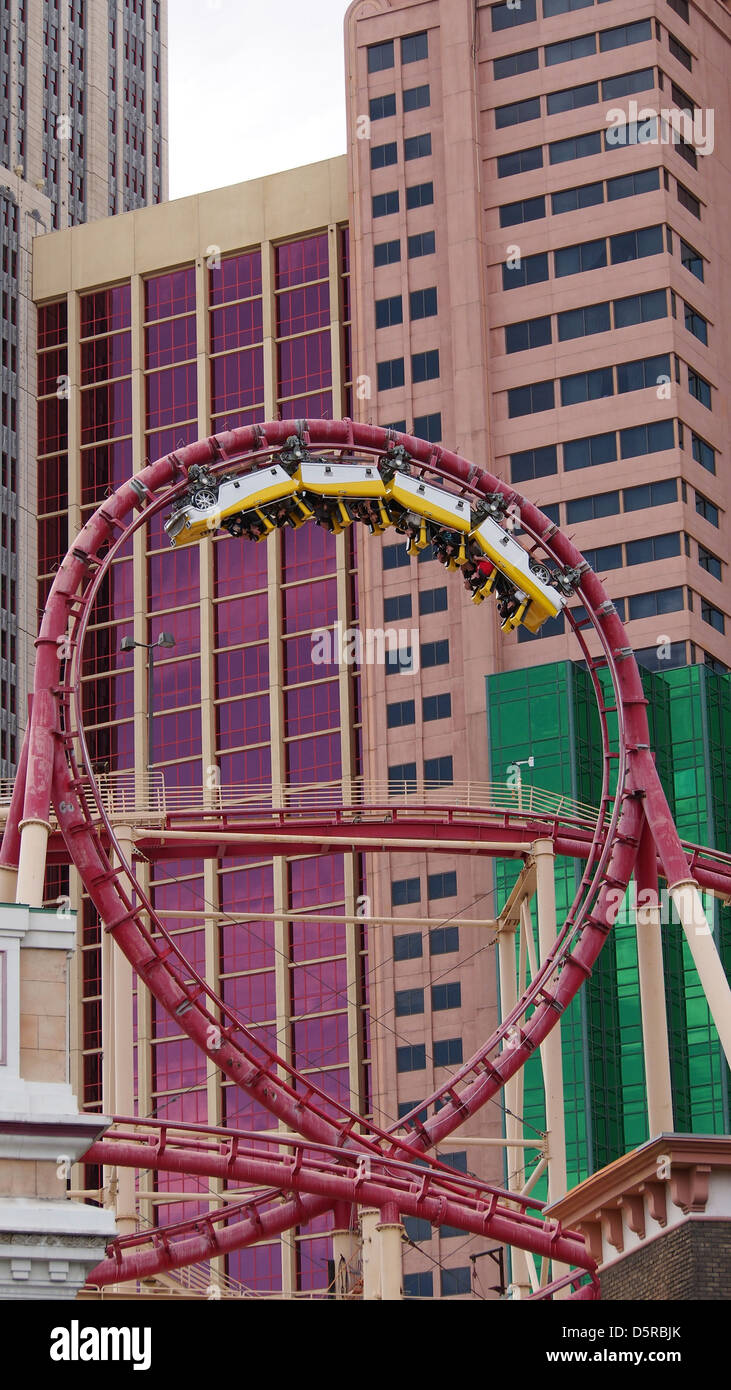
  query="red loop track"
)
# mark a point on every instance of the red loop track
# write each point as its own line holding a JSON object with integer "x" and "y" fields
{"x": 328, "y": 1165}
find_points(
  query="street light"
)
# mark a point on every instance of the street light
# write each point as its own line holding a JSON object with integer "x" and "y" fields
{"x": 514, "y": 771}
{"x": 127, "y": 644}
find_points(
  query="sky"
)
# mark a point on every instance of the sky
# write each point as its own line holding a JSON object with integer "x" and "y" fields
{"x": 255, "y": 86}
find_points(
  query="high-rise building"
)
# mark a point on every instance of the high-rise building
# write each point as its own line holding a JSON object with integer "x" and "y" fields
{"x": 546, "y": 302}
{"x": 83, "y": 134}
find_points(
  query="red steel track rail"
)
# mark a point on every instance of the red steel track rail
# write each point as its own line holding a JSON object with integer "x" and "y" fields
{"x": 55, "y": 769}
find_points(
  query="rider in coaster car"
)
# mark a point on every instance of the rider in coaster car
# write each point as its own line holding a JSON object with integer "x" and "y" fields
{"x": 508, "y": 602}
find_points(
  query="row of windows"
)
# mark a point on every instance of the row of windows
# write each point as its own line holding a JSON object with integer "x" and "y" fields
{"x": 438, "y": 772}
{"x": 451, "y": 1281}
{"x": 581, "y": 196}
{"x": 411, "y": 1001}
{"x": 639, "y": 375}
{"x": 424, "y": 367}
{"x": 443, "y": 941}
{"x": 415, "y": 147}
{"x": 593, "y": 142}
{"x": 389, "y": 252}
{"x": 400, "y": 606}
{"x": 568, "y": 50}
{"x": 574, "y": 98}
{"x": 408, "y": 890}
{"x": 601, "y": 318}
{"x": 584, "y": 256}
{"x": 422, "y": 305}
{"x": 447, "y": 1052}
{"x": 414, "y": 48}
{"x": 420, "y": 195}
{"x": 508, "y": 14}
{"x": 632, "y": 499}
{"x": 413, "y": 99}
{"x": 596, "y": 449}
{"x": 403, "y": 712}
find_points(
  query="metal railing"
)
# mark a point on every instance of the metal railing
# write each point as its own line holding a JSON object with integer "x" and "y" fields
{"x": 143, "y": 797}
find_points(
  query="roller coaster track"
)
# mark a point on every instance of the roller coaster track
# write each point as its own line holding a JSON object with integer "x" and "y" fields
{"x": 633, "y": 833}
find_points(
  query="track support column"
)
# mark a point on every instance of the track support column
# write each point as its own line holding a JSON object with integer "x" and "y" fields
{"x": 652, "y": 991}
{"x": 122, "y": 1061}
{"x": 390, "y": 1239}
{"x": 346, "y": 1248}
{"x": 369, "y": 1219}
{"x": 32, "y": 862}
{"x": 699, "y": 935}
{"x": 551, "y": 1056}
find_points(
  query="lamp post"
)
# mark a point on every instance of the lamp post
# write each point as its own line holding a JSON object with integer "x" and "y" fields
{"x": 514, "y": 770}
{"x": 165, "y": 639}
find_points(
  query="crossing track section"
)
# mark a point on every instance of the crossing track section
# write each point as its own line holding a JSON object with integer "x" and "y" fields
{"x": 55, "y": 770}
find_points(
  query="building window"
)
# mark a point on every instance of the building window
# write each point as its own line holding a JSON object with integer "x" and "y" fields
{"x": 408, "y": 946}
{"x": 380, "y": 107}
{"x": 531, "y": 333}
{"x": 533, "y": 463}
{"x": 625, "y": 35}
{"x": 519, "y": 161}
{"x": 390, "y": 374}
{"x": 527, "y": 210}
{"x": 400, "y": 713}
{"x": 575, "y": 147}
{"x": 398, "y": 662}
{"x": 604, "y": 557}
{"x": 572, "y": 98}
{"x": 389, "y": 311}
{"x": 443, "y": 885}
{"x": 408, "y": 1001}
{"x": 576, "y": 260}
{"x": 586, "y": 195}
{"x": 425, "y": 365}
{"x": 709, "y": 562}
{"x": 401, "y": 778}
{"x": 455, "y": 1281}
{"x": 688, "y": 200}
{"x": 640, "y": 308}
{"x": 703, "y": 453}
{"x": 383, "y": 155}
{"x": 386, "y": 253}
{"x": 432, "y": 601}
{"x": 385, "y": 203}
{"x": 435, "y": 653}
{"x": 589, "y": 452}
{"x": 632, "y": 246}
{"x": 395, "y": 557}
{"x": 682, "y": 8}
{"x": 416, "y": 1227}
{"x": 651, "y": 548}
{"x": 691, "y": 259}
{"x": 419, "y": 1285}
{"x": 411, "y": 1058}
{"x": 423, "y": 303}
{"x": 531, "y": 400}
{"x": 709, "y": 614}
{"x": 420, "y": 195}
{"x": 658, "y": 494}
{"x": 436, "y": 707}
{"x": 405, "y": 890}
{"x": 707, "y": 509}
{"x": 652, "y": 605}
{"x": 446, "y": 996}
{"x": 416, "y": 98}
{"x": 417, "y": 147}
{"x": 569, "y": 50}
{"x": 438, "y": 772}
{"x": 505, "y": 16}
{"x": 423, "y": 244}
{"x": 680, "y": 52}
{"x": 380, "y": 56}
{"x": 587, "y": 386}
{"x": 627, "y": 185}
{"x": 448, "y": 1052}
{"x": 428, "y": 427}
{"x": 645, "y": 372}
{"x": 696, "y": 324}
{"x": 515, "y": 63}
{"x": 529, "y": 271}
{"x": 591, "y": 508}
{"x": 414, "y": 48}
{"x": 517, "y": 112}
{"x": 443, "y": 941}
{"x": 699, "y": 388}
{"x": 582, "y": 323}
{"x": 627, "y": 83}
{"x": 398, "y": 606}
{"x": 646, "y": 439}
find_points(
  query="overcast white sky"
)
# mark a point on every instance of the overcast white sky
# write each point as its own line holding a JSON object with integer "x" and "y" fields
{"x": 255, "y": 86}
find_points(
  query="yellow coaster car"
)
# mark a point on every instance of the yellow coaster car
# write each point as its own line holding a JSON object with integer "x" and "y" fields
{"x": 536, "y": 598}
{"x": 209, "y": 504}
